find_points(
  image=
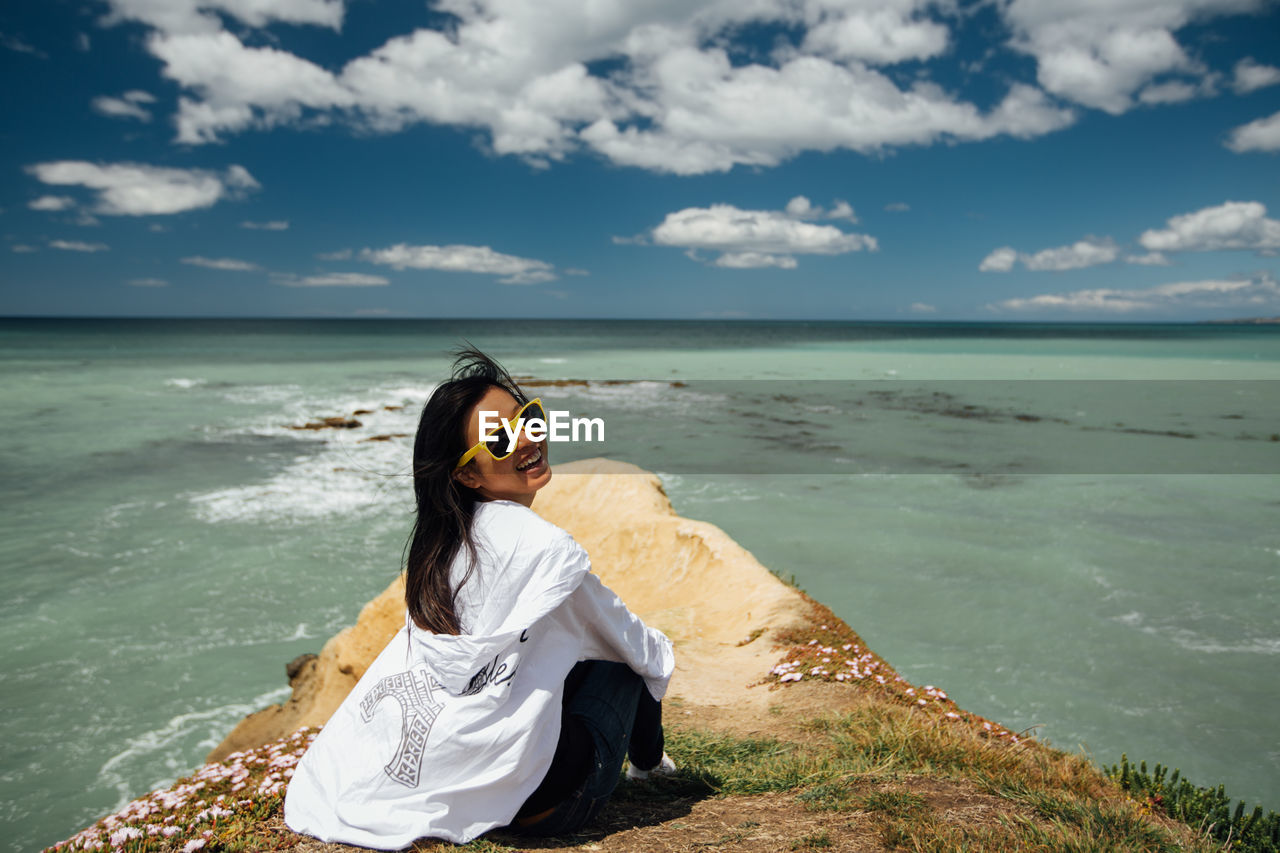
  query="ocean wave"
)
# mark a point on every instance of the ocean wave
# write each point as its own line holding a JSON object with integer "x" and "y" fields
{"x": 346, "y": 474}
{"x": 337, "y": 481}
{"x": 300, "y": 633}
{"x": 699, "y": 491}
{"x": 1257, "y": 646}
{"x": 640, "y": 395}
{"x": 180, "y": 382}
{"x": 1194, "y": 642}
{"x": 155, "y": 748}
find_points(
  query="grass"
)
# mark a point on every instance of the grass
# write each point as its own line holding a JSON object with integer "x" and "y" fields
{"x": 908, "y": 778}
{"x": 1044, "y": 798}
{"x": 819, "y": 840}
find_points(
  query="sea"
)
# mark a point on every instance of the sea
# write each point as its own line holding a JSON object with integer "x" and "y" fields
{"x": 1070, "y": 528}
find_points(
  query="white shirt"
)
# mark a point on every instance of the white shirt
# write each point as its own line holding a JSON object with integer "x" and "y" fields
{"x": 446, "y": 736}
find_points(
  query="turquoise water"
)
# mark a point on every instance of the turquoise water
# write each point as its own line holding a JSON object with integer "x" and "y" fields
{"x": 1105, "y": 567}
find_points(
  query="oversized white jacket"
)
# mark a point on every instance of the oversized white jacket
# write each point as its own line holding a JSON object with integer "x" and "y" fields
{"x": 446, "y": 736}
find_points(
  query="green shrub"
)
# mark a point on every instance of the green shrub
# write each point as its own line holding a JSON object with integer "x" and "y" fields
{"x": 1207, "y": 809}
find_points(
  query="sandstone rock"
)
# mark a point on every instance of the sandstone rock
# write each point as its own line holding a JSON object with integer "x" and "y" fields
{"x": 295, "y": 667}
{"x": 685, "y": 577}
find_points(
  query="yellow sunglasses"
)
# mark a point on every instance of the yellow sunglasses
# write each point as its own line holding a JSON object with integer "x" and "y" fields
{"x": 531, "y": 410}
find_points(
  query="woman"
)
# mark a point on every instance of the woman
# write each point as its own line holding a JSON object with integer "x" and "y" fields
{"x": 518, "y": 682}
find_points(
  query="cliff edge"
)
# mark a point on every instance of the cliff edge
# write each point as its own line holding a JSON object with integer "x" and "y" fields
{"x": 789, "y": 733}
{"x": 687, "y": 578}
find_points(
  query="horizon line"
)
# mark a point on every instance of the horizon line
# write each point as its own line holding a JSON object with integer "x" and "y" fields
{"x": 1261, "y": 320}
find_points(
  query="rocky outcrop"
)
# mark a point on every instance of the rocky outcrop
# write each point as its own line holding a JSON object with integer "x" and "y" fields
{"x": 688, "y": 578}
{"x": 338, "y": 422}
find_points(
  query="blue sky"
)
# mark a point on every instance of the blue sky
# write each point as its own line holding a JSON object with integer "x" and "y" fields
{"x": 817, "y": 159}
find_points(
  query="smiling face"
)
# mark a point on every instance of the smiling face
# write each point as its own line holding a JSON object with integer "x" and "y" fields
{"x": 519, "y": 476}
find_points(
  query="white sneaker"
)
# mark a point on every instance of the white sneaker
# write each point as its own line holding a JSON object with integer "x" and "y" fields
{"x": 665, "y": 768}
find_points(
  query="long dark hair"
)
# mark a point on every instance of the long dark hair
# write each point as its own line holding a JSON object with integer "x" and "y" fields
{"x": 446, "y": 507}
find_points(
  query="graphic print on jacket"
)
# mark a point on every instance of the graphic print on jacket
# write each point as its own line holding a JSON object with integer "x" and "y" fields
{"x": 493, "y": 672}
{"x": 413, "y": 690}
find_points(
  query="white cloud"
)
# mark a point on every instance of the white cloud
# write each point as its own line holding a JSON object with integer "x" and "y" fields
{"x": 460, "y": 258}
{"x": 201, "y": 15}
{"x": 19, "y": 46}
{"x": 756, "y": 238}
{"x": 1150, "y": 259}
{"x": 673, "y": 100}
{"x": 923, "y": 308}
{"x": 134, "y": 189}
{"x": 1083, "y": 253}
{"x": 1170, "y": 92}
{"x": 1099, "y": 53}
{"x": 128, "y": 105}
{"x": 147, "y": 282}
{"x": 709, "y": 115}
{"x": 882, "y": 33}
{"x": 1001, "y": 260}
{"x": 518, "y": 69}
{"x": 274, "y": 225}
{"x": 1230, "y": 225}
{"x": 334, "y": 279}
{"x": 1089, "y": 252}
{"x": 1260, "y": 135}
{"x": 755, "y": 260}
{"x": 239, "y": 86}
{"x": 1259, "y": 292}
{"x": 229, "y": 264}
{"x": 1251, "y": 75}
{"x": 843, "y": 210}
{"x": 52, "y": 203}
{"x": 801, "y": 208}
{"x": 78, "y": 246}
{"x": 22, "y": 248}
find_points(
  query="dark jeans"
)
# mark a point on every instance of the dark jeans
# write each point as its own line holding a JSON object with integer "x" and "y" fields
{"x": 608, "y": 713}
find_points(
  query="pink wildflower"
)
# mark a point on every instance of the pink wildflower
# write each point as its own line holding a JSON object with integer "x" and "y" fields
{"x": 123, "y": 834}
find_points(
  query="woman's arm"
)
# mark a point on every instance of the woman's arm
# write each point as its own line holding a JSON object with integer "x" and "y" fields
{"x": 613, "y": 632}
